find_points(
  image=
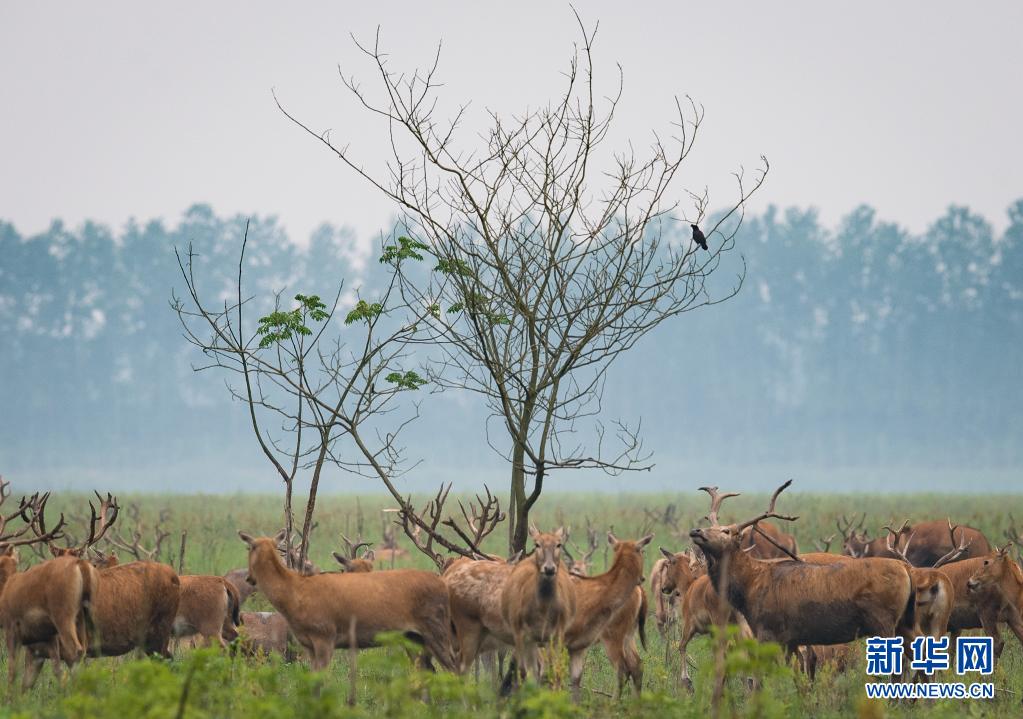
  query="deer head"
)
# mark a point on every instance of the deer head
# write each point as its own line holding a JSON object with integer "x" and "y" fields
{"x": 718, "y": 540}
{"x": 997, "y": 567}
{"x": 547, "y": 550}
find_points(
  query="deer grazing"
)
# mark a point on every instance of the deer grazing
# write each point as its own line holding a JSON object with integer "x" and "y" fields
{"x": 327, "y": 611}
{"x": 352, "y": 562}
{"x": 538, "y": 600}
{"x": 265, "y": 633}
{"x": 795, "y": 602}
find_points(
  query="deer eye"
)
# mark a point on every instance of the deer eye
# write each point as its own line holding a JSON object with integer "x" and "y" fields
{"x": 559, "y": 545}
{"x": 987, "y": 562}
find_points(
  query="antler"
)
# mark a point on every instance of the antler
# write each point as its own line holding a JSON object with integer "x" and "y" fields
{"x": 895, "y": 535}
{"x": 848, "y": 527}
{"x": 957, "y": 550}
{"x": 353, "y": 549}
{"x": 770, "y": 510}
{"x": 715, "y": 502}
{"x": 482, "y": 518}
{"x": 33, "y": 511}
{"x": 134, "y": 546}
{"x": 823, "y": 544}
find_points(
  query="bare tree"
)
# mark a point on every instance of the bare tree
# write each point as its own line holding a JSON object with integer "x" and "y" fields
{"x": 553, "y": 256}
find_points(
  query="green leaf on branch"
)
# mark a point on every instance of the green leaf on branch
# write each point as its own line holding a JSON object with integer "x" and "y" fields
{"x": 406, "y": 249}
{"x": 364, "y": 310}
{"x": 280, "y": 326}
{"x": 453, "y": 266}
{"x": 406, "y": 380}
{"x": 435, "y": 310}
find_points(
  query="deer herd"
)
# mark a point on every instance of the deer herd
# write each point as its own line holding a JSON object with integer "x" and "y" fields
{"x": 930, "y": 578}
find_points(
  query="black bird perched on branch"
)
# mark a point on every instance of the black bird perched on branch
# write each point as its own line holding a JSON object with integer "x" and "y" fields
{"x": 698, "y": 237}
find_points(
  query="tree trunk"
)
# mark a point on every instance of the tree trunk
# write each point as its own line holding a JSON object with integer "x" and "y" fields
{"x": 518, "y": 512}
{"x": 310, "y": 505}
{"x": 289, "y": 521}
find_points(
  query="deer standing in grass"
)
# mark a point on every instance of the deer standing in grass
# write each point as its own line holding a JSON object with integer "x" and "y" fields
{"x": 208, "y": 607}
{"x": 599, "y": 600}
{"x": 935, "y": 595}
{"x": 997, "y": 586}
{"x": 135, "y": 603}
{"x": 321, "y": 609}
{"x": 46, "y": 608}
{"x": 796, "y": 602}
{"x": 538, "y": 600}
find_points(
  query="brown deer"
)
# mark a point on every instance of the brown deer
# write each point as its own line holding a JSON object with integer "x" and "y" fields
{"x": 538, "y": 600}
{"x": 599, "y": 599}
{"x": 664, "y": 603}
{"x": 697, "y": 604}
{"x": 998, "y": 586}
{"x": 324, "y": 610}
{"x": 796, "y": 602}
{"x": 46, "y": 608}
{"x": 935, "y": 595}
{"x": 266, "y": 633}
{"x": 476, "y": 594}
{"x": 581, "y": 566}
{"x": 134, "y": 604}
{"x": 208, "y": 607}
{"x": 775, "y": 545}
{"x": 236, "y": 577}
{"x": 353, "y": 562}
{"x": 931, "y": 542}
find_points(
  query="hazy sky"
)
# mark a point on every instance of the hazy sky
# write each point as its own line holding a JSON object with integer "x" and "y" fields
{"x": 121, "y": 109}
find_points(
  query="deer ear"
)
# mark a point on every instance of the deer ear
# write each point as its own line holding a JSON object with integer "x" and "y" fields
{"x": 7, "y": 550}
{"x": 667, "y": 555}
{"x": 611, "y": 538}
{"x": 247, "y": 538}
{"x": 560, "y": 533}
{"x": 280, "y": 536}
{"x": 514, "y": 559}
{"x": 644, "y": 541}
{"x": 341, "y": 559}
{"x": 533, "y": 531}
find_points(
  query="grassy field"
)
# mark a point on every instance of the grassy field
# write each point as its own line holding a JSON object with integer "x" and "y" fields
{"x": 209, "y": 684}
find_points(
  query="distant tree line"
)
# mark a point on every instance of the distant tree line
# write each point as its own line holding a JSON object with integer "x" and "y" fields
{"x": 858, "y": 344}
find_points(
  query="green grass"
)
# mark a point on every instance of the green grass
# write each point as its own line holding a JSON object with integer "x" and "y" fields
{"x": 386, "y": 686}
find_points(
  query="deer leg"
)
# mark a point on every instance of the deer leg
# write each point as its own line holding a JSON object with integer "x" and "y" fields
{"x": 12, "y": 655}
{"x": 989, "y": 621}
{"x": 322, "y": 653}
{"x": 616, "y": 655}
{"x": 1015, "y": 623}
{"x": 688, "y": 632}
{"x": 33, "y": 664}
{"x": 634, "y": 663}
{"x": 576, "y": 664}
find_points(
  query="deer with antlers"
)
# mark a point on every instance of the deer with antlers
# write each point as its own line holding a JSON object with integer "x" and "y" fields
{"x": 931, "y": 542}
{"x": 135, "y": 604}
{"x": 581, "y": 566}
{"x": 352, "y": 562}
{"x": 794, "y": 602}
{"x": 538, "y": 600}
{"x": 935, "y": 594}
{"x": 45, "y": 609}
{"x": 327, "y": 611}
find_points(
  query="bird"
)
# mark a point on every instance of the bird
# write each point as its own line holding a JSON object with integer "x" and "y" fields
{"x": 698, "y": 237}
